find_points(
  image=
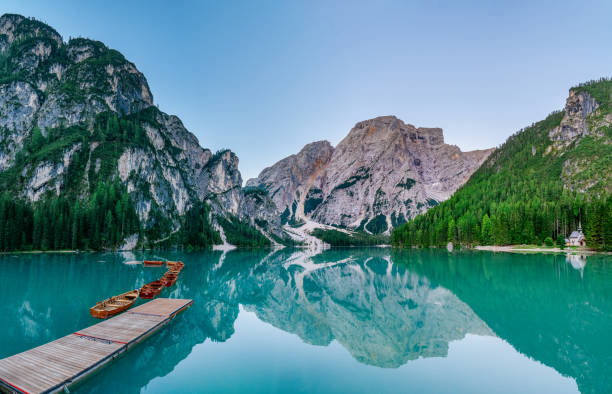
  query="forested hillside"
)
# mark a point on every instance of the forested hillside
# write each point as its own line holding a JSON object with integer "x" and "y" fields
{"x": 540, "y": 183}
{"x": 87, "y": 161}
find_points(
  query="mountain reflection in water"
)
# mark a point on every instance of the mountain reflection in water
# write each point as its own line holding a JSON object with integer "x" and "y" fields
{"x": 384, "y": 307}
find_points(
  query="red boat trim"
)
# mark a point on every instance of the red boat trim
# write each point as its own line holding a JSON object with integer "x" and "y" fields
{"x": 99, "y": 338}
{"x": 14, "y": 386}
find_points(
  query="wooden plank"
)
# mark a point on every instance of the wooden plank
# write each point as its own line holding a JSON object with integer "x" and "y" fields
{"x": 160, "y": 306}
{"x": 60, "y": 363}
{"x": 123, "y": 328}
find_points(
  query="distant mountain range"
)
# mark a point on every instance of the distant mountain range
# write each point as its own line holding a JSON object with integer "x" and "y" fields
{"x": 381, "y": 174}
{"x": 87, "y": 161}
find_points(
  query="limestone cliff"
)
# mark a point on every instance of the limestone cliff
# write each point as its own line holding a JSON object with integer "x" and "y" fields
{"x": 76, "y": 113}
{"x": 381, "y": 174}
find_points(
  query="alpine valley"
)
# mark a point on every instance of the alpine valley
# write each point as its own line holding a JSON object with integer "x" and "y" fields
{"x": 88, "y": 161}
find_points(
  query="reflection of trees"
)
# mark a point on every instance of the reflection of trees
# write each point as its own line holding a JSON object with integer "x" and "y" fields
{"x": 383, "y": 313}
{"x": 211, "y": 280}
{"x": 538, "y": 303}
{"x": 35, "y": 300}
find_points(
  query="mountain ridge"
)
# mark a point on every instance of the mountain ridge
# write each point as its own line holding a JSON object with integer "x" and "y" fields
{"x": 365, "y": 181}
{"x": 542, "y": 183}
{"x": 76, "y": 114}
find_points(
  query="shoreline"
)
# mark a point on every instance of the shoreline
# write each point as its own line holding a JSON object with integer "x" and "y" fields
{"x": 528, "y": 249}
{"x": 67, "y": 251}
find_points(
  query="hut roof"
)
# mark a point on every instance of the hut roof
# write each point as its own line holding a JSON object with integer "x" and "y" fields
{"x": 576, "y": 234}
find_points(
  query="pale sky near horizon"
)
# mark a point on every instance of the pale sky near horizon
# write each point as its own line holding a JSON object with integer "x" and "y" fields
{"x": 264, "y": 78}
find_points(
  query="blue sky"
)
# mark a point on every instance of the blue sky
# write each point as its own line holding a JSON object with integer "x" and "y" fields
{"x": 264, "y": 78}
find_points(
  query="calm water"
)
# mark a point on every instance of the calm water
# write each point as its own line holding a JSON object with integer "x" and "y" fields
{"x": 354, "y": 320}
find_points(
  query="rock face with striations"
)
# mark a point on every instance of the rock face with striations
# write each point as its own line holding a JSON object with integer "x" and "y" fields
{"x": 67, "y": 95}
{"x": 577, "y": 107}
{"x": 381, "y": 174}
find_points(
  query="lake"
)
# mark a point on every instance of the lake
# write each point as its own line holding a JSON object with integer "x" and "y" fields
{"x": 344, "y": 320}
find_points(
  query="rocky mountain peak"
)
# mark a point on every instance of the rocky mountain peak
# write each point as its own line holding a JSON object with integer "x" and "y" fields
{"x": 80, "y": 79}
{"x": 293, "y": 175}
{"x": 15, "y": 27}
{"x": 578, "y": 106}
{"x": 391, "y": 127}
{"x": 382, "y": 173}
{"x": 77, "y": 114}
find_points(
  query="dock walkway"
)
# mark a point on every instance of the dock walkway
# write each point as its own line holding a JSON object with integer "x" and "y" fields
{"x": 59, "y": 364}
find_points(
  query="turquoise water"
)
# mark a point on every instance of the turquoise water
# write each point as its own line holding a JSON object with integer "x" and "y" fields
{"x": 351, "y": 320}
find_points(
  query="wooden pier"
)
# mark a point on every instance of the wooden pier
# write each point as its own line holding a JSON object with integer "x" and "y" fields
{"x": 59, "y": 364}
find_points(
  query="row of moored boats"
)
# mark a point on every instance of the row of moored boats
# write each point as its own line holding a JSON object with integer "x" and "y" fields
{"x": 152, "y": 289}
{"x": 122, "y": 302}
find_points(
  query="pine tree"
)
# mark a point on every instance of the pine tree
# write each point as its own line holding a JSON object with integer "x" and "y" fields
{"x": 486, "y": 231}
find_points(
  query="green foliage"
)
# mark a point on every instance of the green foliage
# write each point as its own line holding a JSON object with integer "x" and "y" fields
{"x": 258, "y": 193}
{"x": 377, "y": 225}
{"x": 216, "y": 156}
{"x": 360, "y": 174}
{"x": 397, "y": 219}
{"x": 16, "y": 224}
{"x": 361, "y": 227}
{"x": 340, "y": 238}
{"x": 293, "y": 222}
{"x": 314, "y": 198}
{"x": 287, "y": 241}
{"x": 285, "y": 216}
{"x": 486, "y": 234}
{"x": 241, "y": 233}
{"x": 38, "y": 149}
{"x": 561, "y": 243}
{"x": 515, "y": 197}
{"x": 93, "y": 70}
{"x": 594, "y": 159}
{"x": 601, "y": 89}
{"x": 197, "y": 232}
{"x": 260, "y": 189}
{"x": 598, "y": 226}
{"x": 113, "y": 133}
{"x": 261, "y": 222}
{"x": 548, "y": 241}
{"x": 311, "y": 204}
{"x": 407, "y": 184}
{"x": 101, "y": 222}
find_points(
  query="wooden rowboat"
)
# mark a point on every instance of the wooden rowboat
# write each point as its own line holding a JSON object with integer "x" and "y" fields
{"x": 169, "y": 279}
{"x": 146, "y": 292}
{"x": 175, "y": 268}
{"x": 151, "y": 290}
{"x": 157, "y": 286}
{"x": 175, "y": 264}
{"x": 114, "y": 305}
{"x": 153, "y": 262}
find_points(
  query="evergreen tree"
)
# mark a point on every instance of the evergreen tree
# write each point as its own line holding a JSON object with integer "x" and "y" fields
{"x": 485, "y": 237}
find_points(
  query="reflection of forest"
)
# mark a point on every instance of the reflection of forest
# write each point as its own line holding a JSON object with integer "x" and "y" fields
{"x": 546, "y": 306}
{"x": 384, "y": 313}
{"x": 35, "y": 300}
